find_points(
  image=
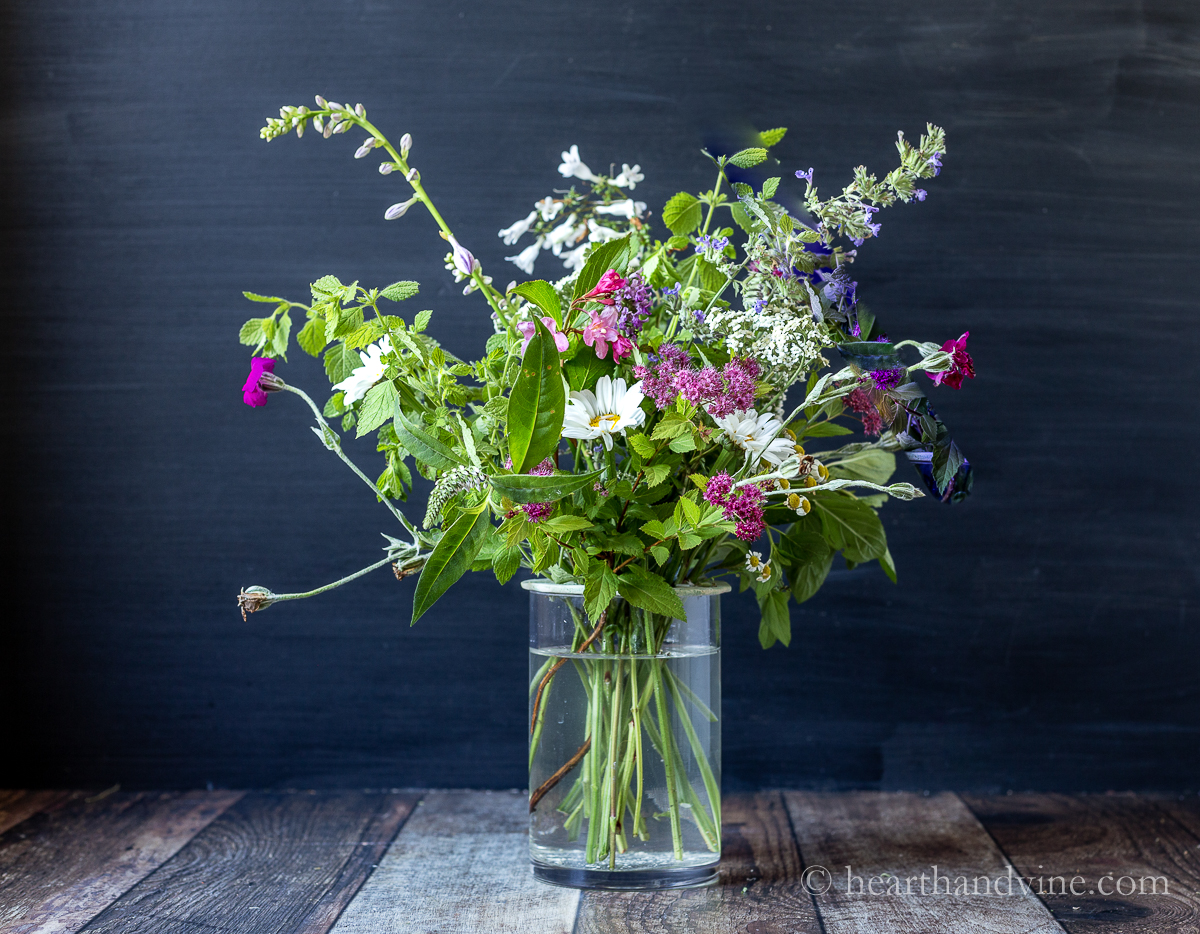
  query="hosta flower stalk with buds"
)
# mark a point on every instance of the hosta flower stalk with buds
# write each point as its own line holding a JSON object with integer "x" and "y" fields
{"x": 672, "y": 405}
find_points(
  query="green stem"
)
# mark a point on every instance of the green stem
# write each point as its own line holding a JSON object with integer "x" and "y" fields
{"x": 280, "y": 597}
{"x": 613, "y": 798}
{"x": 710, "y": 782}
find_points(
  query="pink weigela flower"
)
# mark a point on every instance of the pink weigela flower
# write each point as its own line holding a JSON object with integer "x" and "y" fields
{"x": 601, "y": 331}
{"x": 529, "y": 328}
{"x": 252, "y": 393}
{"x": 961, "y": 364}
{"x": 609, "y": 283}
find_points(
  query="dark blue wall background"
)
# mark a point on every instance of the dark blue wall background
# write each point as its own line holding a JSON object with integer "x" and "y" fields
{"x": 1043, "y": 635}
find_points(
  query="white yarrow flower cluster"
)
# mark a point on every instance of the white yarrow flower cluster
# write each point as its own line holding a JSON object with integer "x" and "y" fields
{"x": 355, "y": 385}
{"x": 773, "y": 336}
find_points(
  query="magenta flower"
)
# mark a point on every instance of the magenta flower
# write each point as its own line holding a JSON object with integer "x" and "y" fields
{"x": 601, "y": 331}
{"x": 252, "y": 393}
{"x": 888, "y": 378}
{"x": 609, "y": 283}
{"x": 536, "y": 512}
{"x": 743, "y": 505}
{"x": 961, "y": 364}
{"x": 622, "y": 347}
{"x": 528, "y": 329}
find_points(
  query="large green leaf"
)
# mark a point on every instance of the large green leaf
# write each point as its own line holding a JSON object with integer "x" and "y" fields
{"x": 649, "y": 592}
{"x": 378, "y": 405}
{"x": 424, "y": 446}
{"x": 776, "y": 619}
{"x": 537, "y": 404}
{"x": 450, "y": 559}
{"x": 527, "y": 488}
{"x": 585, "y": 370}
{"x": 748, "y": 157}
{"x": 543, "y": 295}
{"x": 399, "y": 291}
{"x": 599, "y": 587}
{"x": 340, "y": 362}
{"x": 870, "y": 464}
{"x": 603, "y": 256}
{"x": 808, "y": 578}
{"x": 850, "y": 526}
{"x": 683, "y": 213}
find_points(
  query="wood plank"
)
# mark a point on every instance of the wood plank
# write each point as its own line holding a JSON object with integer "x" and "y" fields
{"x": 272, "y": 863}
{"x": 16, "y": 806}
{"x": 892, "y": 843}
{"x": 461, "y": 866}
{"x": 1135, "y": 860}
{"x": 63, "y": 865}
{"x": 759, "y": 892}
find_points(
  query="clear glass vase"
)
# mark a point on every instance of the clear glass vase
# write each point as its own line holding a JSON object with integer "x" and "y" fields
{"x": 624, "y": 741}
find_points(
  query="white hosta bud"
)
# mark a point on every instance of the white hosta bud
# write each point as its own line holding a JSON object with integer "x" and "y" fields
{"x": 399, "y": 210}
{"x": 319, "y": 124}
{"x": 360, "y": 110}
{"x": 365, "y": 148}
{"x": 322, "y": 103}
{"x": 342, "y": 127}
{"x": 334, "y": 105}
{"x": 387, "y": 168}
{"x": 412, "y": 176}
{"x": 405, "y": 144}
{"x": 300, "y": 128}
{"x": 328, "y": 131}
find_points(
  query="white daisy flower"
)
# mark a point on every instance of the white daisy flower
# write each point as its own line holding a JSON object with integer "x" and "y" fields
{"x": 627, "y": 208}
{"x": 764, "y": 572}
{"x": 573, "y": 167}
{"x": 628, "y": 177}
{"x": 525, "y": 259}
{"x": 355, "y": 385}
{"x": 514, "y": 233}
{"x": 609, "y": 411}
{"x": 754, "y": 561}
{"x": 549, "y": 208}
{"x": 757, "y": 435}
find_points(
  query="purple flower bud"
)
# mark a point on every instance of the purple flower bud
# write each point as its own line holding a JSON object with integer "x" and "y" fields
{"x": 464, "y": 262}
{"x": 920, "y": 194}
{"x": 365, "y": 148}
{"x": 398, "y": 210}
{"x": 807, "y": 176}
{"x": 386, "y": 168}
{"x": 360, "y": 110}
{"x": 412, "y": 176}
{"x": 322, "y": 103}
{"x": 342, "y": 127}
{"x": 405, "y": 144}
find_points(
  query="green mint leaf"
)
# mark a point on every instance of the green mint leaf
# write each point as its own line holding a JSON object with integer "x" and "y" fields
{"x": 252, "y": 333}
{"x": 683, "y": 213}
{"x": 648, "y": 591}
{"x": 279, "y": 340}
{"x": 421, "y": 321}
{"x": 311, "y": 337}
{"x": 340, "y": 362}
{"x": 378, "y": 406}
{"x": 399, "y": 291}
{"x": 424, "y": 446}
{"x": 770, "y": 186}
{"x": 255, "y": 297}
{"x": 769, "y": 138}
{"x": 748, "y": 157}
{"x": 599, "y": 588}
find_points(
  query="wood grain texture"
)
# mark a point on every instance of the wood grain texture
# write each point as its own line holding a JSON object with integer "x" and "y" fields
{"x": 461, "y": 866}
{"x": 1144, "y": 853}
{"x": 17, "y": 805}
{"x": 891, "y": 841}
{"x": 62, "y": 866}
{"x": 760, "y": 889}
{"x": 272, "y": 863}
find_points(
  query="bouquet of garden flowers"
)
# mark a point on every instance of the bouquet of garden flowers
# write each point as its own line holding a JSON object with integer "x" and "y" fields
{"x": 658, "y": 411}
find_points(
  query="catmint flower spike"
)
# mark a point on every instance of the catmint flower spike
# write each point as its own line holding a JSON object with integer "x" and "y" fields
{"x": 399, "y": 210}
{"x": 405, "y": 144}
{"x": 365, "y": 148}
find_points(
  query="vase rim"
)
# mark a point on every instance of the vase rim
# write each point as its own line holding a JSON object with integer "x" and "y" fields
{"x": 541, "y": 585}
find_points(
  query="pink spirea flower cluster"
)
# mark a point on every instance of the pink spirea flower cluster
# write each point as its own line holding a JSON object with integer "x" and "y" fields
{"x": 721, "y": 392}
{"x": 743, "y": 505}
{"x": 860, "y": 401}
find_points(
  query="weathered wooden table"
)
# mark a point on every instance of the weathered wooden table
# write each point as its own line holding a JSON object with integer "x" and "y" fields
{"x": 454, "y": 861}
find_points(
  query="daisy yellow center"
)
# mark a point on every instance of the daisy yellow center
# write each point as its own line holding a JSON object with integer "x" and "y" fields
{"x": 599, "y": 420}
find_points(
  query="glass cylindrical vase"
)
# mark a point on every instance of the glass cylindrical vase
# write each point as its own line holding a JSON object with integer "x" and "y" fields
{"x": 624, "y": 740}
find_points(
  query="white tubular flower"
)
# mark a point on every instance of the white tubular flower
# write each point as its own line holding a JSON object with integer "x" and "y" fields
{"x": 563, "y": 233}
{"x": 627, "y": 208}
{"x": 598, "y": 233}
{"x": 573, "y": 260}
{"x": 628, "y": 177}
{"x": 514, "y": 233}
{"x": 355, "y": 385}
{"x": 573, "y": 167}
{"x": 609, "y": 411}
{"x": 549, "y": 208}
{"x": 756, "y": 435}
{"x": 526, "y": 258}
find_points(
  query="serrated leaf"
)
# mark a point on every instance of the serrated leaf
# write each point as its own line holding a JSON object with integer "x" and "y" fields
{"x": 450, "y": 559}
{"x": 279, "y": 340}
{"x": 650, "y": 592}
{"x": 505, "y": 564}
{"x": 252, "y": 333}
{"x": 690, "y": 511}
{"x": 421, "y": 321}
{"x": 748, "y": 157}
{"x": 654, "y": 475}
{"x": 683, "y": 213}
{"x": 311, "y": 337}
{"x": 599, "y": 588}
{"x": 542, "y": 294}
{"x": 776, "y": 620}
{"x": 378, "y": 405}
{"x": 340, "y": 362}
{"x": 528, "y": 488}
{"x": 255, "y": 297}
{"x": 947, "y": 458}
{"x": 423, "y": 446}
{"x": 613, "y": 254}
{"x": 740, "y": 217}
{"x": 850, "y": 526}
{"x": 683, "y": 444}
{"x": 672, "y": 426}
{"x": 326, "y": 286}
{"x": 678, "y": 242}
{"x": 655, "y": 529}
{"x": 566, "y": 524}
{"x": 661, "y": 553}
{"x": 537, "y": 404}
{"x": 770, "y": 186}
{"x": 640, "y": 443}
{"x": 769, "y": 138}
{"x": 888, "y": 564}
{"x": 399, "y": 291}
